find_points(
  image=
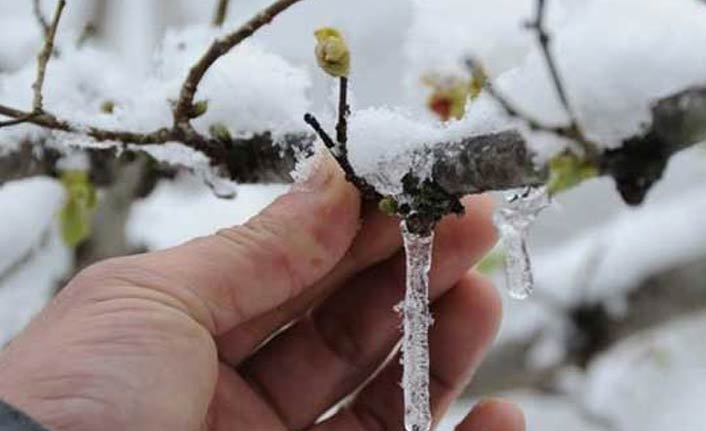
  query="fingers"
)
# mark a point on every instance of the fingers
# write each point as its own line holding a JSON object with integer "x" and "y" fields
{"x": 235, "y": 406}
{"x": 467, "y": 319}
{"x": 377, "y": 240}
{"x": 228, "y": 278}
{"x": 494, "y": 415}
{"x": 325, "y": 356}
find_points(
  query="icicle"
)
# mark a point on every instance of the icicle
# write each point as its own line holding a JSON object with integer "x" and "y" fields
{"x": 223, "y": 188}
{"x": 416, "y": 322}
{"x": 513, "y": 222}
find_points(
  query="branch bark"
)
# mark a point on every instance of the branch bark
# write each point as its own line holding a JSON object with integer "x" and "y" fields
{"x": 473, "y": 165}
{"x": 221, "y": 12}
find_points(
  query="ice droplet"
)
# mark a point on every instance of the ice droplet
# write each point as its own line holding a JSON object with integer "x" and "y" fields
{"x": 513, "y": 222}
{"x": 416, "y": 321}
{"x": 222, "y": 187}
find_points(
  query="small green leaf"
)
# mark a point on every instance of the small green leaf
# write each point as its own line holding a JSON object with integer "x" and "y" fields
{"x": 492, "y": 261}
{"x": 198, "y": 109}
{"x": 567, "y": 171}
{"x": 388, "y": 205}
{"x": 81, "y": 201}
{"x": 220, "y": 132}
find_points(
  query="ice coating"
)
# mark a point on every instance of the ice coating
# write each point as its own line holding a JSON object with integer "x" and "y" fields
{"x": 416, "y": 322}
{"x": 513, "y": 222}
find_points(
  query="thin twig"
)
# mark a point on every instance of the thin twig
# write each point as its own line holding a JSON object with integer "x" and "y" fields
{"x": 536, "y": 125}
{"x": 181, "y": 130}
{"x": 221, "y": 13}
{"x": 365, "y": 188}
{"x": 22, "y": 119}
{"x": 343, "y": 113}
{"x": 218, "y": 49}
{"x": 49, "y": 121}
{"x": 544, "y": 42}
{"x": 37, "y": 9}
{"x": 44, "y": 56}
{"x": 574, "y": 129}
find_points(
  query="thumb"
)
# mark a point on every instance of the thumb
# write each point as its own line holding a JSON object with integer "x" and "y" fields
{"x": 229, "y": 277}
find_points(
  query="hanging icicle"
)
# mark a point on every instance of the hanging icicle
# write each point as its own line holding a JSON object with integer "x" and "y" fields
{"x": 513, "y": 222}
{"x": 416, "y": 322}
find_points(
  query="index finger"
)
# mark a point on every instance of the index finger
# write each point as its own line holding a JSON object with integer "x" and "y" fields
{"x": 229, "y": 277}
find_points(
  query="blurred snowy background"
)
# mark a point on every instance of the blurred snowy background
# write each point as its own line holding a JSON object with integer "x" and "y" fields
{"x": 612, "y": 338}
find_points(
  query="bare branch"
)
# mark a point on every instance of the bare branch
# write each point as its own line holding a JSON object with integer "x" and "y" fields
{"x": 39, "y": 16}
{"x": 45, "y": 55}
{"x": 49, "y": 121}
{"x": 512, "y": 111}
{"x": 343, "y": 113}
{"x": 221, "y": 12}
{"x": 218, "y": 49}
{"x": 574, "y": 129}
{"x": 340, "y": 153}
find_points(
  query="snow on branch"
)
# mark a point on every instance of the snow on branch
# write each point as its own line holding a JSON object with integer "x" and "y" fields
{"x": 472, "y": 164}
{"x": 181, "y": 130}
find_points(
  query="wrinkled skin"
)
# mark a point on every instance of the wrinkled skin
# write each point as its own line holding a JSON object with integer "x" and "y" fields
{"x": 216, "y": 334}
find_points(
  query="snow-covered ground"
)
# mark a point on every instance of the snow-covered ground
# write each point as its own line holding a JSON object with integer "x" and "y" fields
{"x": 617, "y": 56}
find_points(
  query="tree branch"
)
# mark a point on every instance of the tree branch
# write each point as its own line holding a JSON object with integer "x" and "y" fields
{"x": 218, "y": 49}
{"x": 221, "y": 13}
{"x": 340, "y": 153}
{"x": 39, "y": 16}
{"x": 44, "y": 56}
{"x": 472, "y": 165}
{"x": 343, "y": 113}
{"x": 574, "y": 129}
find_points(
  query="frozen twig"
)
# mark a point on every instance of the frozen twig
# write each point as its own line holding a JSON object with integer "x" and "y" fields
{"x": 532, "y": 123}
{"x": 221, "y": 12}
{"x": 339, "y": 148}
{"x": 218, "y": 49}
{"x": 495, "y": 161}
{"x": 44, "y": 56}
{"x": 574, "y": 130}
{"x": 50, "y": 121}
{"x": 340, "y": 153}
{"x": 343, "y": 113}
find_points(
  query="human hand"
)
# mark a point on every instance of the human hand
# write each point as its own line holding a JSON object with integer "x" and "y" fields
{"x": 261, "y": 327}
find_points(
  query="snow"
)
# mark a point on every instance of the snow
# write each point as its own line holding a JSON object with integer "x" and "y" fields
{"x": 615, "y": 59}
{"x": 382, "y": 140}
{"x": 184, "y": 209}
{"x": 22, "y": 229}
{"x": 653, "y": 381}
{"x": 249, "y": 90}
{"x": 24, "y": 289}
{"x": 625, "y": 251}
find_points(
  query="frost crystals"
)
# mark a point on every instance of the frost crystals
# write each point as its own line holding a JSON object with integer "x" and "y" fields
{"x": 416, "y": 322}
{"x": 513, "y": 222}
